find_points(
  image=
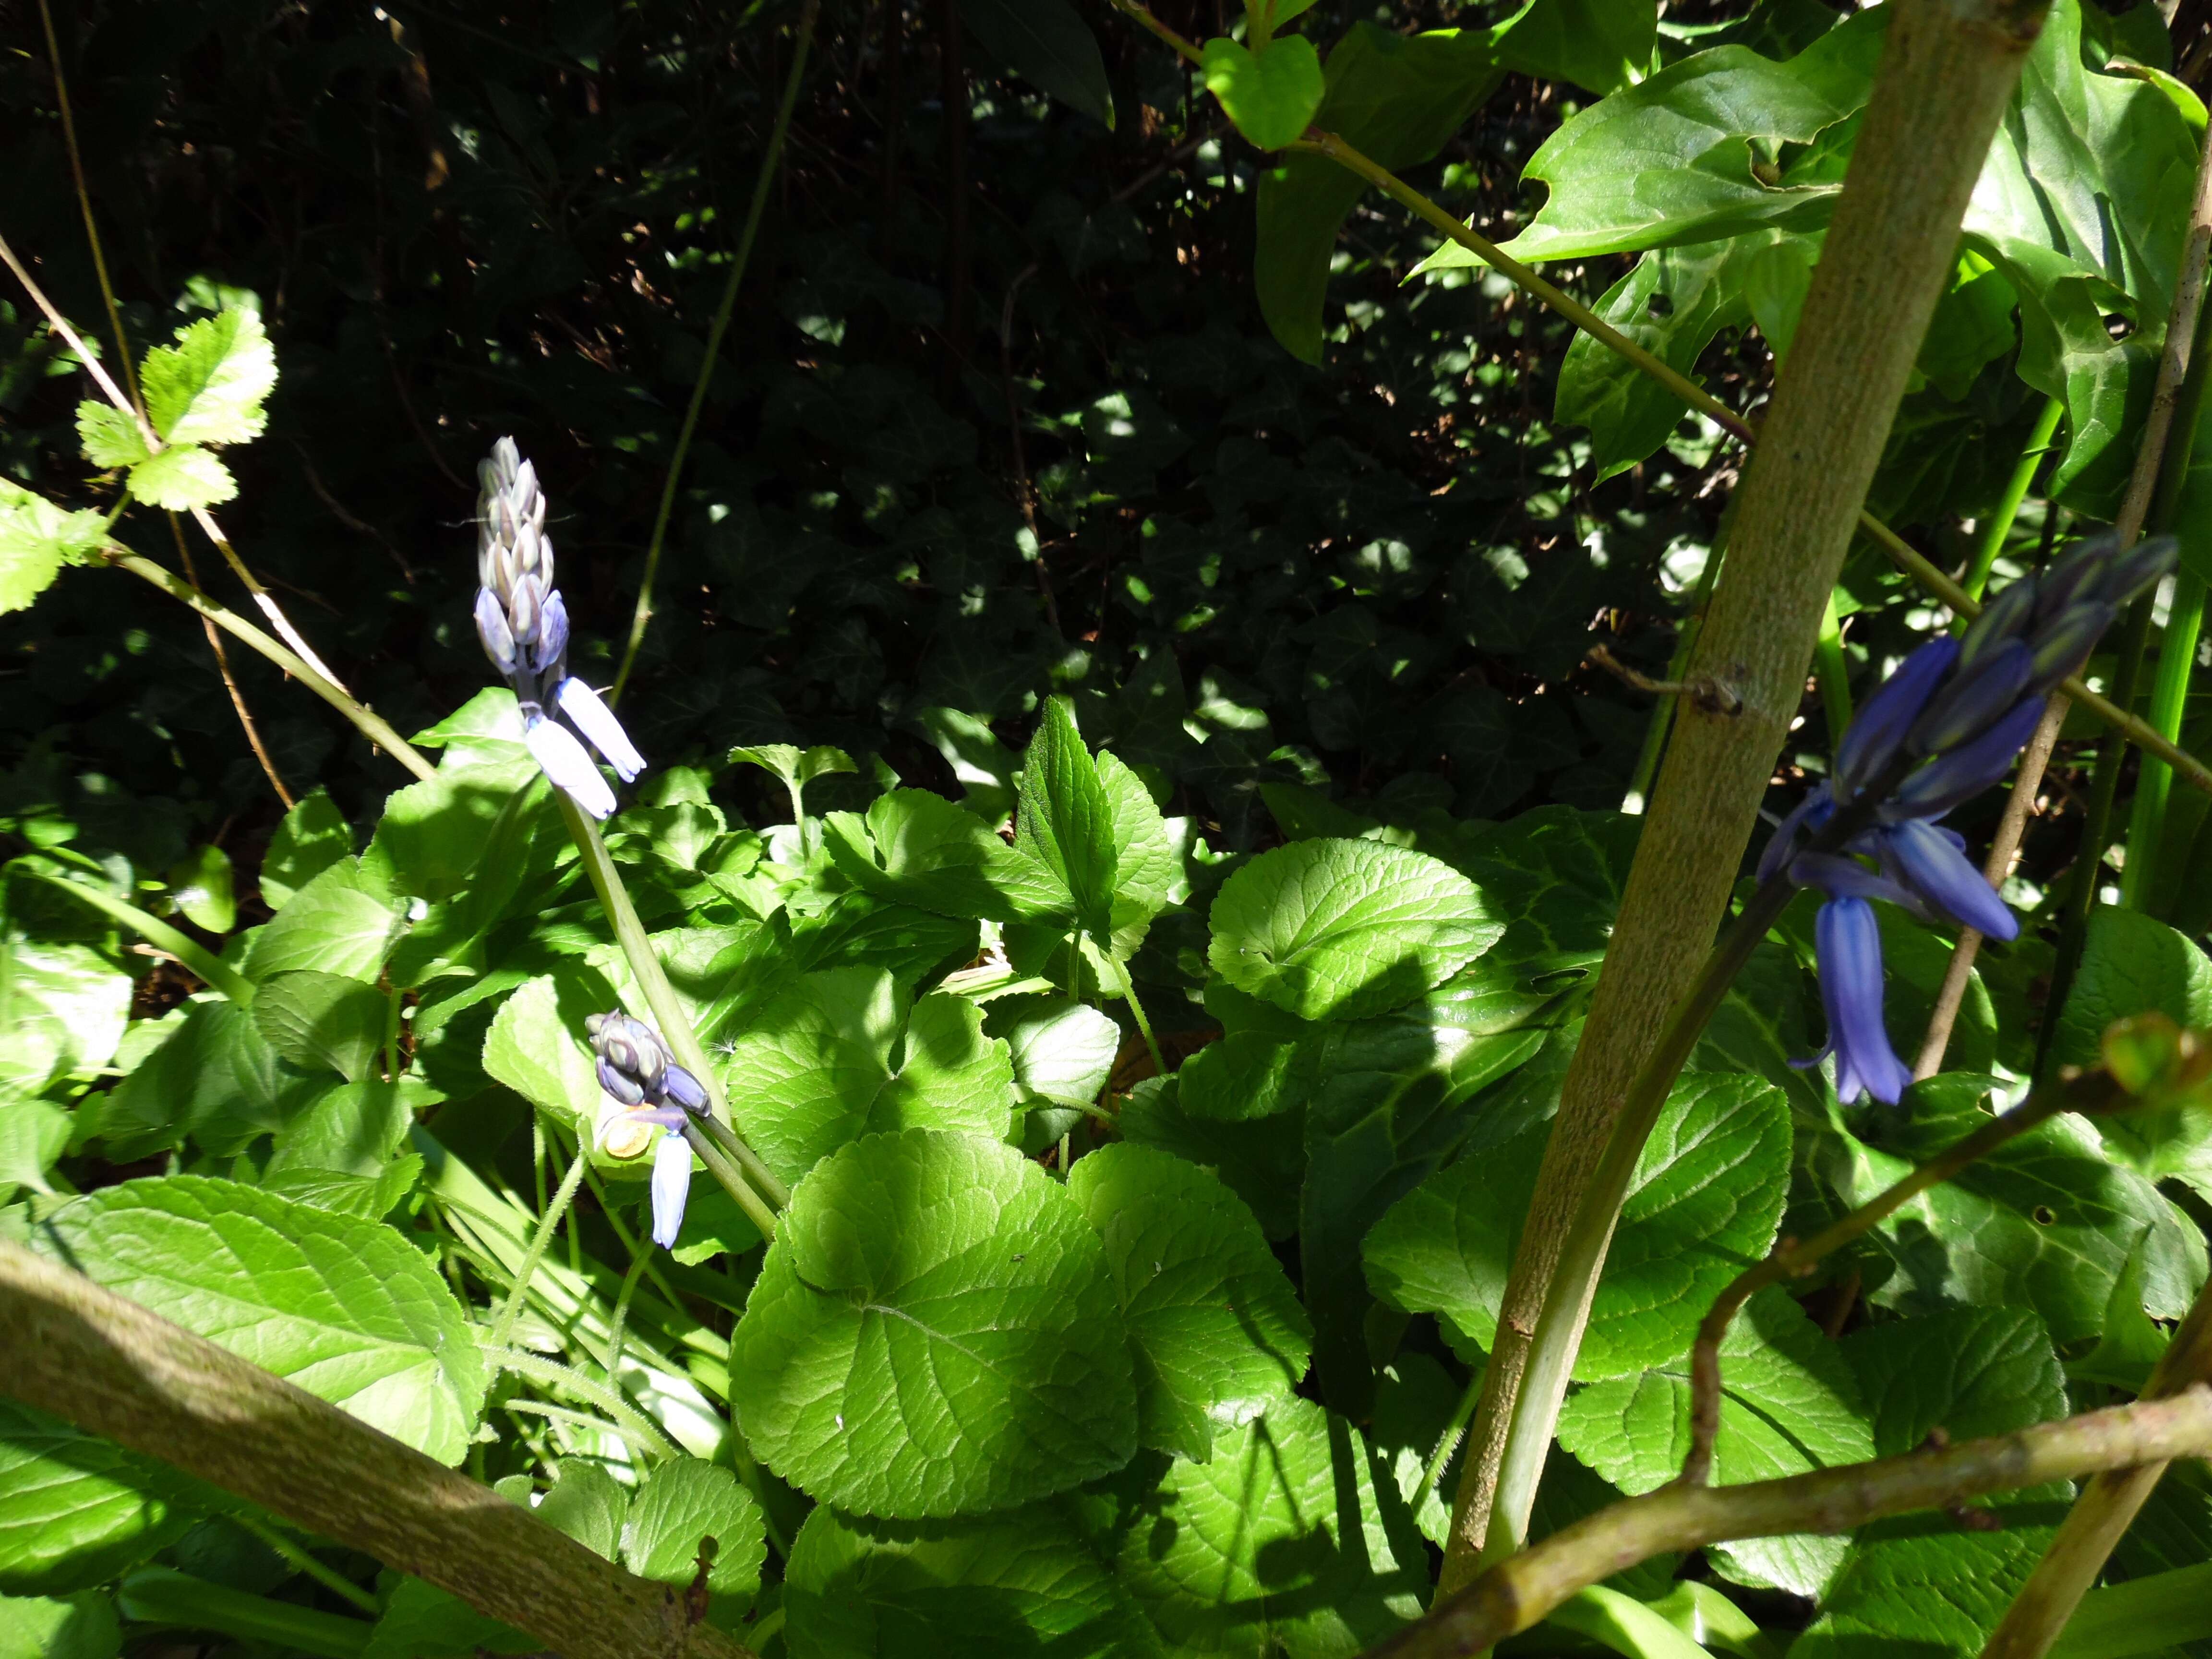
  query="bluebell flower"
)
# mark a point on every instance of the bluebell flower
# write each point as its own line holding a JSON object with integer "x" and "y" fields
{"x": 671, "y": 1186}
{"x": 638, "y": 1071}
{"x": 1941, "y": 730}
{"x": 523, "y": 623}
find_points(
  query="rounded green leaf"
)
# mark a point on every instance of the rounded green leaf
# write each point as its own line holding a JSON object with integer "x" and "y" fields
{"x": 934, "y": 1332}
{"x": 683, "y": 1503}
{"x": 345, "y": 1309}
{"x": 1219, "y": 1333}
{"x": 1270, "y": 94}
{"x": 1347, "y": 929}
{"x": 314, "y": 837}
{"x": 63, "y": 1009}
{"x": 201, "y": 883}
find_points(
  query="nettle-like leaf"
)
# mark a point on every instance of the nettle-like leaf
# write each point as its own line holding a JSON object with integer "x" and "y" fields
{"x": 314, "y": 837}
{"x": 76, "y": 1509}
{"x": 536, "y": 1046}
{"x": 935, "y": 1332}
{"x": 1217, "y": 1330}
{"x": 211, "y": 386}
{"x": 841, "y": 1055}
{"x": 1065, "y": 821}
{"x": 348, "y": 1310}
{"x": 1262, "y": 1163}
{"x": 1021, "y": 1582}
{"x": 681, "y": 1503}
{"x": 1704, "y": 1202}
{"x": 339, "y": 923}
{"x": 1345, "y": 929}
{"x": 212, "y": 1077}
{"x": 322, "y": 1022}
{"x": 915, "y": 848}
{"x": 110, "y": 436}
{"x": 1281, "y": 1544}
{"x": 1271, "y": 95}
{"x": 1789, "y": 1403}
{"x": 37, "y": 538}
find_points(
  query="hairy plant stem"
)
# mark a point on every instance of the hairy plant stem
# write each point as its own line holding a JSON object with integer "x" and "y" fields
{"x": 758, "y": 1193}
{"x": 554, "y": 1375}
{"x": 1999, "y": 528}
{"x": 370, "y": 724}
{"x": 115, "y": 1369}
{"x": 1520, "y": 1592}
{"x": 1137, "y": 1012}
{"x": 300, "y": 1561}
{"x": 503, "y": 1326}
{"x": 770, "y": 160}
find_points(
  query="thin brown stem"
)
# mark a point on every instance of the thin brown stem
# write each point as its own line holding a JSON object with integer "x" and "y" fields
{"x": 230, "y": 680}
{"x": 1520, "y": 1592}
{"x": 84, "y": 205}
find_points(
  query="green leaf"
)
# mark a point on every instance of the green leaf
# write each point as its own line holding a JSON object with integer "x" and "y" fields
{"x": 435, "y": 837}
{"x": 73, "y": 1509}
{"x": 1555, "y": 875}
{"x": 1062, "y": 1050}
{"x": 537, "y": 1047}
{"x": 39, "y": 1628}
{"x": 63, "y": 1009}
{"x": 683, "y": 1503}
{"x": 348, "y": 1310}
{"x": 587, "y": 1504}
{"x": 1065, "y": 820}
{"x": 110, "y": 436}
{"x": 214, "y": 1077}
{"x": 1344, "y": 929}
{"x": 838, "y": 1056}
{"x": 322, "y": 1022}
{"x": 335, "y": 924}
{"x": 2046, "y": 1221}
{"x": 2132, "y": 965}
{"x": 37, "y": 538}
{"x": 1271, "y": 96}
{"x": 1246, "y": 1075}
{"x": 314, "y": 837}
{"x": 181, "y": 477}
{"x": 421, "y": 1622}
{"x": 1394, "y": 98}
{"x": 797, "y": 767}
{"x": 201, "y": 885}
{"x": 1001, "y": 1587}
{"x": 210, "y": 388}
{"x": 1048, "y": 41}
{"x": 1601, "y": 45}
{"x": 1671, "y": 161}
{"x": 2130, "y": 1345}
{"x": 1789, "y": 1403}
{"x": 1219, "y": 1331}
{"x": 1908, "y": 1587}
{"x": 1262, "y": 1163}
{"x": 919, "y": 848}
{"x": 1702, "y": 1206}
{"x": 934, "y": 1332}
{"x": 33, "y": 1135}
{"x": 1279, "y": 1544}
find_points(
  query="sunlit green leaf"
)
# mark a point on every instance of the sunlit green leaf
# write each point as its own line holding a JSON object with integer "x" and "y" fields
{"x": 209, "y": 388}
{"x": 37, "y": 538}
{"x": 1271, "y": 95}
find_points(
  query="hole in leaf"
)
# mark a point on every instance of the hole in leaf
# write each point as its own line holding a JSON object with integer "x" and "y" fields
{"x": 2044, "y": 1215}
{"x": 1660, "y": 304}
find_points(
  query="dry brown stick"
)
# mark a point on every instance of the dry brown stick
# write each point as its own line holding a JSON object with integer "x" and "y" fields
{"x": 1520, "y": 1591}
{"x": 81, "y": 1353}
{"x": 2150, "y": 456}
{"x": 1945, "y": 76}
{"x": 2104, "y": 1511}
{"x": 1793, "y": 1260}
{"x": 229, "y": 679}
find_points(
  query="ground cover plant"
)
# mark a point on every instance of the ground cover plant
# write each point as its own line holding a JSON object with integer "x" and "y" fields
{"x": 1014, "y": 828}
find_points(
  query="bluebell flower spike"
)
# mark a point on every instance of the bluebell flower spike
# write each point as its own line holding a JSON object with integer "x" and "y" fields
{"x": 685, "y": 1090}
{"x": 1976, "y": 699}
{"x": 620, "y": 1087}
{"x": 562, "y": 759}
{"x": 671, "y": 1186}
{"x": 2064, "y": 647}
{"x": 1849, "y": 942}
{"x": 1810, "y": 813}
{"x": 1931, "y": 863}
{"x": 1871, "y": 741}
{"x": 2004, "y": 618}
{"x": 1953, "y": 779}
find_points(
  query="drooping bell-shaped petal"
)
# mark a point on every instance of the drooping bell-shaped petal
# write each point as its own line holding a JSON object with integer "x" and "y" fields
{"x": 1871, "y": 740}
{"x": 1849, "y": 945}
{"x": 678, "y": 1085}
{"x": 672, "y": 1186}
{"x": 597, "y": 721}
{"x": 1810, "y": 813}
{"x": 563, "y": 760}
{"x": 2006, "y": 616}
{"x": 619, "y": 1085}
{"x": 497, "y": 637}
{"x": 1931, "y": 863}
{"x": 2062, "y": 647}
{"x": 1966, "y": 771}
{"x": 1846, "y": 878}
{"x": 1974, "y": 700}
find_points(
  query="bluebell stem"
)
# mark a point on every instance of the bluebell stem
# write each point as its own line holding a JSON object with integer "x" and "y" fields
{"x": 523, "y": 623}
{"x": 640, "y": 1073}
{"x": 1944, "y": 727}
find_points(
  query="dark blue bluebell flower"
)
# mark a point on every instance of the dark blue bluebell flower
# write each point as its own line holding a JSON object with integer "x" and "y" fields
{"x": 1962, "y": 709}
{"x": 640, "y": 1073}
{"x": 523, "y": 623}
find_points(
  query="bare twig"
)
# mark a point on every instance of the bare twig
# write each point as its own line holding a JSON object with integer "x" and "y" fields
{"x": 1703, "y": 689}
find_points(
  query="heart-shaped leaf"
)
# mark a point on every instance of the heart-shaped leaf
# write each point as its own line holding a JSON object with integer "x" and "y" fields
{"x": 1271, "y": 95}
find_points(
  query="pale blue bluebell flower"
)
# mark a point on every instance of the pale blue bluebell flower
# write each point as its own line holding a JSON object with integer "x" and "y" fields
{"x": 1955, "y": 713}
{"x": 638, "y": 1071}
{"x": 523, "y": 623}
{"x": 671, "y": 1186}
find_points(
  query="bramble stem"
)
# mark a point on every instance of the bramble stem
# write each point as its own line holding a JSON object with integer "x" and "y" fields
{"x": 769, "y": 161}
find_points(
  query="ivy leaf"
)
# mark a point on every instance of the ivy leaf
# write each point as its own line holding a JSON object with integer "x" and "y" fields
{"x": 1345, "y": 929}
{"x": 210, "y": 388}
{"x": 181, "y": 477}
{"x": 1047, "y": 41}
{"x": 314, "y": 837}
{"x": 915, "y": 848}
{"x": 110, "y": 436}
{"x": 1065, "y": 821}
{"x": 1703, "y": 1204}
{"x": 1217, "y": 1330}
{"x": 681, "y": 1503}
{"x": 935, "y": 1333}
{"x": 1280, "y": 1544}
{"x": 322, "y": 1021}
{"x": 1908, "y": 1587}
{"x": 1271, "y": 96}
{"x": 37, "y": 538}
{"x": 348, "y": 1310}
{"x": 1789, "y": 1403}
{"x": 334, "y": 925}
{"x": 838, "y": 1056}
{"x": 75, "y": 1509}
{"x": 1024, "y": 1581}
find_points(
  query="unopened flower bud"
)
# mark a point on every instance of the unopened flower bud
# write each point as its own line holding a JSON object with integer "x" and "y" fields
{"x": 1959, "y": 775}
{"x": 1973, "y": 699}
{"x": 2132, "y": 572}
{"x": 2005, "y": 618}
{"x": 1871, "y": 740}
{"x": 2061, "y": 648}
{"x": 618, "y": 1084}
{"x": 1932, "y": 862}
{"x": 492, "y": 630}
